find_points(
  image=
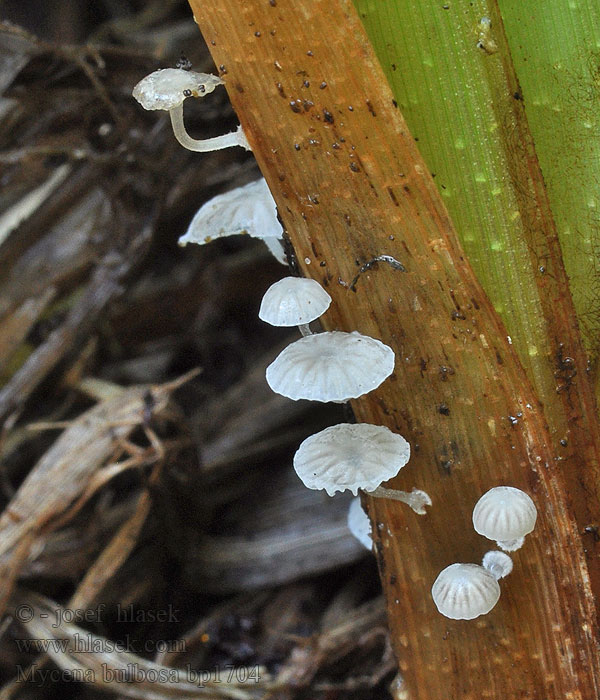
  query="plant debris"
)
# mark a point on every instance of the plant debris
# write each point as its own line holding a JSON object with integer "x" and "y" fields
{"x": 154, "y": 540}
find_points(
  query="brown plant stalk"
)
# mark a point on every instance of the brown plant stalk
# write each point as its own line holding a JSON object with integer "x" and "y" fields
{"x": 350, "y": 186}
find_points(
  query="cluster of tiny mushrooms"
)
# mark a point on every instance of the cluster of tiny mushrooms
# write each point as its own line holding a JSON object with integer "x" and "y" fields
{"x": 338, "y": 366}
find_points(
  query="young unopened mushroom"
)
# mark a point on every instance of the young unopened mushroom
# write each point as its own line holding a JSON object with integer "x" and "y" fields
{"x": 356, "y": 456}
{"x": 249, "y": 210}
{"x": 497, "y": 563}
{"x": 167, "y": 89}
{"x": 294, "y": 301}
{"x": 465, "y": 591}
{"x": 332, "y": 366}
{"x": 359, "y": 523}
{"x": 505, "y": 514}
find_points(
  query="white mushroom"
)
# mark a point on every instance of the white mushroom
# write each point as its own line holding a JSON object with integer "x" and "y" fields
{"x": 294, "y": 301}
{"x": 250, "y": 210}
{"x": 351, "y": 457}
{"x": 332, "y": 366}
{"x": 167, "y": 89}
{"x": 497, "y": 563}
{"x": 505, "y": 514}
{"x": 465, "y": 591}
{"x": 359, "y": 523}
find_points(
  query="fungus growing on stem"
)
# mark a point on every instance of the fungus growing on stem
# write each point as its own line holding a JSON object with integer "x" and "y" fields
{"x": 294, "y": 301}
{"x": 465, "y": 591}
{"x": 505, "y": 514}
{"x": 168, "y": 88}
{"x": 331, "y": 366}
{"x": 356, "y": 456}
{"x": 249, "y": 210}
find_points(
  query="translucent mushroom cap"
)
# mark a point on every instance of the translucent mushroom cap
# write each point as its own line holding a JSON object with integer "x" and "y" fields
{"x": 168, "y": 87}
{"x": 352, "y": 457}
{"x": 293, "y": 301}
{"x": 250, "y": 209}
{"x": 332, "y": 366}
{"x": 359, "y": 524}
{"x": 497, "y": 563}
{"x": 504, "y": 513}
{"x": 465, "y": 591}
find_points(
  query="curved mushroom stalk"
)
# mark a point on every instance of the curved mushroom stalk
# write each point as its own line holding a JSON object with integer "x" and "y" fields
{"x": 304, "y": 329}
{"x": 168, "y": 88}
{"x": 276, "y": 248}
{"x": 234, "y": 138}
{"x": 416, "y": 499}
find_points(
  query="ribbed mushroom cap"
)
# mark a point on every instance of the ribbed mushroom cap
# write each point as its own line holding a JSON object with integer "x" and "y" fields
{"x": 333, "y": 366}
{"x": 359, "y": 523}
{"x": 293, "y": 301}
{"x": 250, "y": 209}
{"x": 465, "y": 591}
{"x": 352, "y": 457}
{"x": 168, "y": 87}
{"x": 504, "y": 513}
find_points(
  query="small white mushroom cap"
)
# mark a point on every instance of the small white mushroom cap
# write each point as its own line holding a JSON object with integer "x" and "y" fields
{"x": 348, "y": 456}
{"x": 505, "y": 514}
{"x": 167, "y": 88}
{"x": 465, "y": 591}
{"x": 293, "y": 301}
{"x": 359, "y": 523}
{"x": 497, "y": 563}
{"x": 250, "y": 209}
{"x": 332, "y": 366}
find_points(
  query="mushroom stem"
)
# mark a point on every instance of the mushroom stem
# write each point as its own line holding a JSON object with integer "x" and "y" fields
{"x": 276, "y": 248}
{"x": 304, "y": 328}
{"x": 234, "y": 138}
{"x": 416, "y": 499}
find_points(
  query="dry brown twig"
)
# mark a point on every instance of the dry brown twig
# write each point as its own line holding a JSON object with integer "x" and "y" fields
{"x": 66, "y": 473}
{"x": 115, "y": 669}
